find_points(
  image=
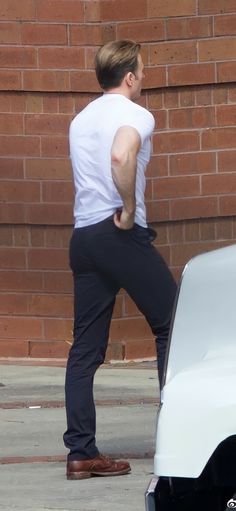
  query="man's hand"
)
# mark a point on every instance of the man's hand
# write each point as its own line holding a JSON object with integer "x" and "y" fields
{"x": 123, "y": 220}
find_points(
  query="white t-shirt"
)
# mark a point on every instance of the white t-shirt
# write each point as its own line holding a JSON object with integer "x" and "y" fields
{"x": 91, "y": 136}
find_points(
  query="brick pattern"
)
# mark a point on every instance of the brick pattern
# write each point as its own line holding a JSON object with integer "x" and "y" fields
{"x": 49, "y": 46}
{"x": 46, "y": 77}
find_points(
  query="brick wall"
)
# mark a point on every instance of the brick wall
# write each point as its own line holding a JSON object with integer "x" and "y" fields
{"x": 46, "y": 76}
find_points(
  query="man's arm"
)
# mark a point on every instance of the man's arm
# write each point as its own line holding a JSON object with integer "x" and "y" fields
{"x": 125, "y": 147}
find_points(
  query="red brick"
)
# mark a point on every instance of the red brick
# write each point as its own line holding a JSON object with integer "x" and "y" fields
{"x": 11, "y": 168}
{"x": 187, "y": 74}
{"x": 158, "y": 211}
{"x": 48, "y": 214}
{"x": 192, "y": 118}
{"x": 189, "y": 28}
{"x": 173, "y": 52}
{"x": 176, "y": 232}
{"x": 218, "y": 184}
{"x": 12, "y": 258}
{"x": 84, "y": 34}
{"x": 10, "y": 33}
{"x": 58, "y": 237}
{"x": 227, "y": 161}
{"x": 55, "y": 146}
{"x": 43, "y": 34}
{"x": 18, "y": 57}
{"x": 54, "y": 284}
{"x": 224, "y": 229}
{"x": 6, "y": 235}
{"x": 19, "y": 146}
{"x": 50, "y": 305}
{"x": 115, "y": 351}
{"x": 208, "y": 229}
{"x": 155, "y": 99}
{"x": 21, "y": 236}
{"x": 130, "y": 308}
{"x": 219, "y": 138}
{"x": 217, "y": 49}
{"x": 13, "y": 304}
{"x": 203, "y": 95}
{"x": 50, "y": 349}
{"x": 161, "y": 119}
{"x": 66, "y": 104}
{"x": 158, "y": 166}
{"x": 165, "y": 187}
{"x": 194, "y": 208}
{"x": 220, "y": 94}
{"x": 89, "y": 57}
{"x": 227, "y": 205}
{"x": 34, "y": 103}
{"x": 5, "y": 101}
{"x": 92, "y": 10}
{"x": 14, "y": 348}
{"x": 15, "y": 10}
{"x": 129, "y": 328}
{"x": 232, "y": 93}
{"x": 51, "y": 103}
{"x": 20, "y": 328}
{"x": 192, "y": 163}
{"x": 62, "y": 10}
{"x": 58, "y": 192}
{"x": 19, "y": 191}
{"x": 171, "y": 98}
{"x": 118, "y": 309}
{"x": 47, "y": 259}
{"x": 15, "y": 280}
{"x": 84, "y": 81}
{"x": 181, "y": 254}
{"x": 147, "y": 30}
{"x": 10, "y": 80}
{"x": 162, "y": 234}
{"x": 140, "y": 350}
{"x": 58, "y": 58}
{"x": 43, "y": 124}
{"x": 37, "y": 238}
{"x": 48, "y": 168}
{"x": 12, "y": 213}
{"x": 226, "y": 72}
{"x": 225, "y": 25}
{"x": 46, "y": 80}
{"x": 18, "y": 102}
{"x": 187, "y": 96}
{"x": 175, "y": 142}
{"x": 154, "y": 77}
{"x": 116, "y": 10}
{"x": 58, "y": 329}
{"x": 218, "y": 6}
{"x": 226, "y": 115}
{"x": 168, "y": 8}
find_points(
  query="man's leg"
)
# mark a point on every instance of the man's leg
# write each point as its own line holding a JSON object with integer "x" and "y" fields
{"x": 94, "y": 302}
{"x": 131, "y": 259}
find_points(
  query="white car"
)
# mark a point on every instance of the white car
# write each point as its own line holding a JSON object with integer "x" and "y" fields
{"x": 195, "y": 459}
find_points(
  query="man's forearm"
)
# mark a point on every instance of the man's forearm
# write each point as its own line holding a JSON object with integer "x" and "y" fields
{"x": 124, "y": 177}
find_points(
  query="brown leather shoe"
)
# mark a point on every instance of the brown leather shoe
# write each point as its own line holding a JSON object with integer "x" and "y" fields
{"x": 99, "y": 466}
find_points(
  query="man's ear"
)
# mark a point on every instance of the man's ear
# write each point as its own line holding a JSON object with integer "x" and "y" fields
{"x": 129, "y": 79}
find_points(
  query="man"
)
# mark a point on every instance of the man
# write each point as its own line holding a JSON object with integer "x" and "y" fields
{"x": 111, "y": 243}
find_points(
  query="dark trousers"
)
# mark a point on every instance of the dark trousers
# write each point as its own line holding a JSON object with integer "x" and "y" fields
{"x": 104, "y": 259}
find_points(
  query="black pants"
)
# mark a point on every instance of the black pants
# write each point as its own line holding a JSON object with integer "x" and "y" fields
{"x": 104, "y": 259}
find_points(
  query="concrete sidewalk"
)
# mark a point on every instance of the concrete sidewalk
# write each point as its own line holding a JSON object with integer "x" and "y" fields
{"x": 32, "y": 422}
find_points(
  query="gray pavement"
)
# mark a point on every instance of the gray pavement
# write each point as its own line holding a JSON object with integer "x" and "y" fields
{"x": 32, "y": 454}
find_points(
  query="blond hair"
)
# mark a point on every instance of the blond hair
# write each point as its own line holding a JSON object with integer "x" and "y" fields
{"x": 114, "y": 60}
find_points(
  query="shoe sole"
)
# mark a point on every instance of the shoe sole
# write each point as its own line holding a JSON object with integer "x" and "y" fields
{"x": 87, "y": 475}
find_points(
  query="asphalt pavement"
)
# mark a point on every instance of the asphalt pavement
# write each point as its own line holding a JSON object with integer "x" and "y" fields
{"x": 32, "y": 423}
